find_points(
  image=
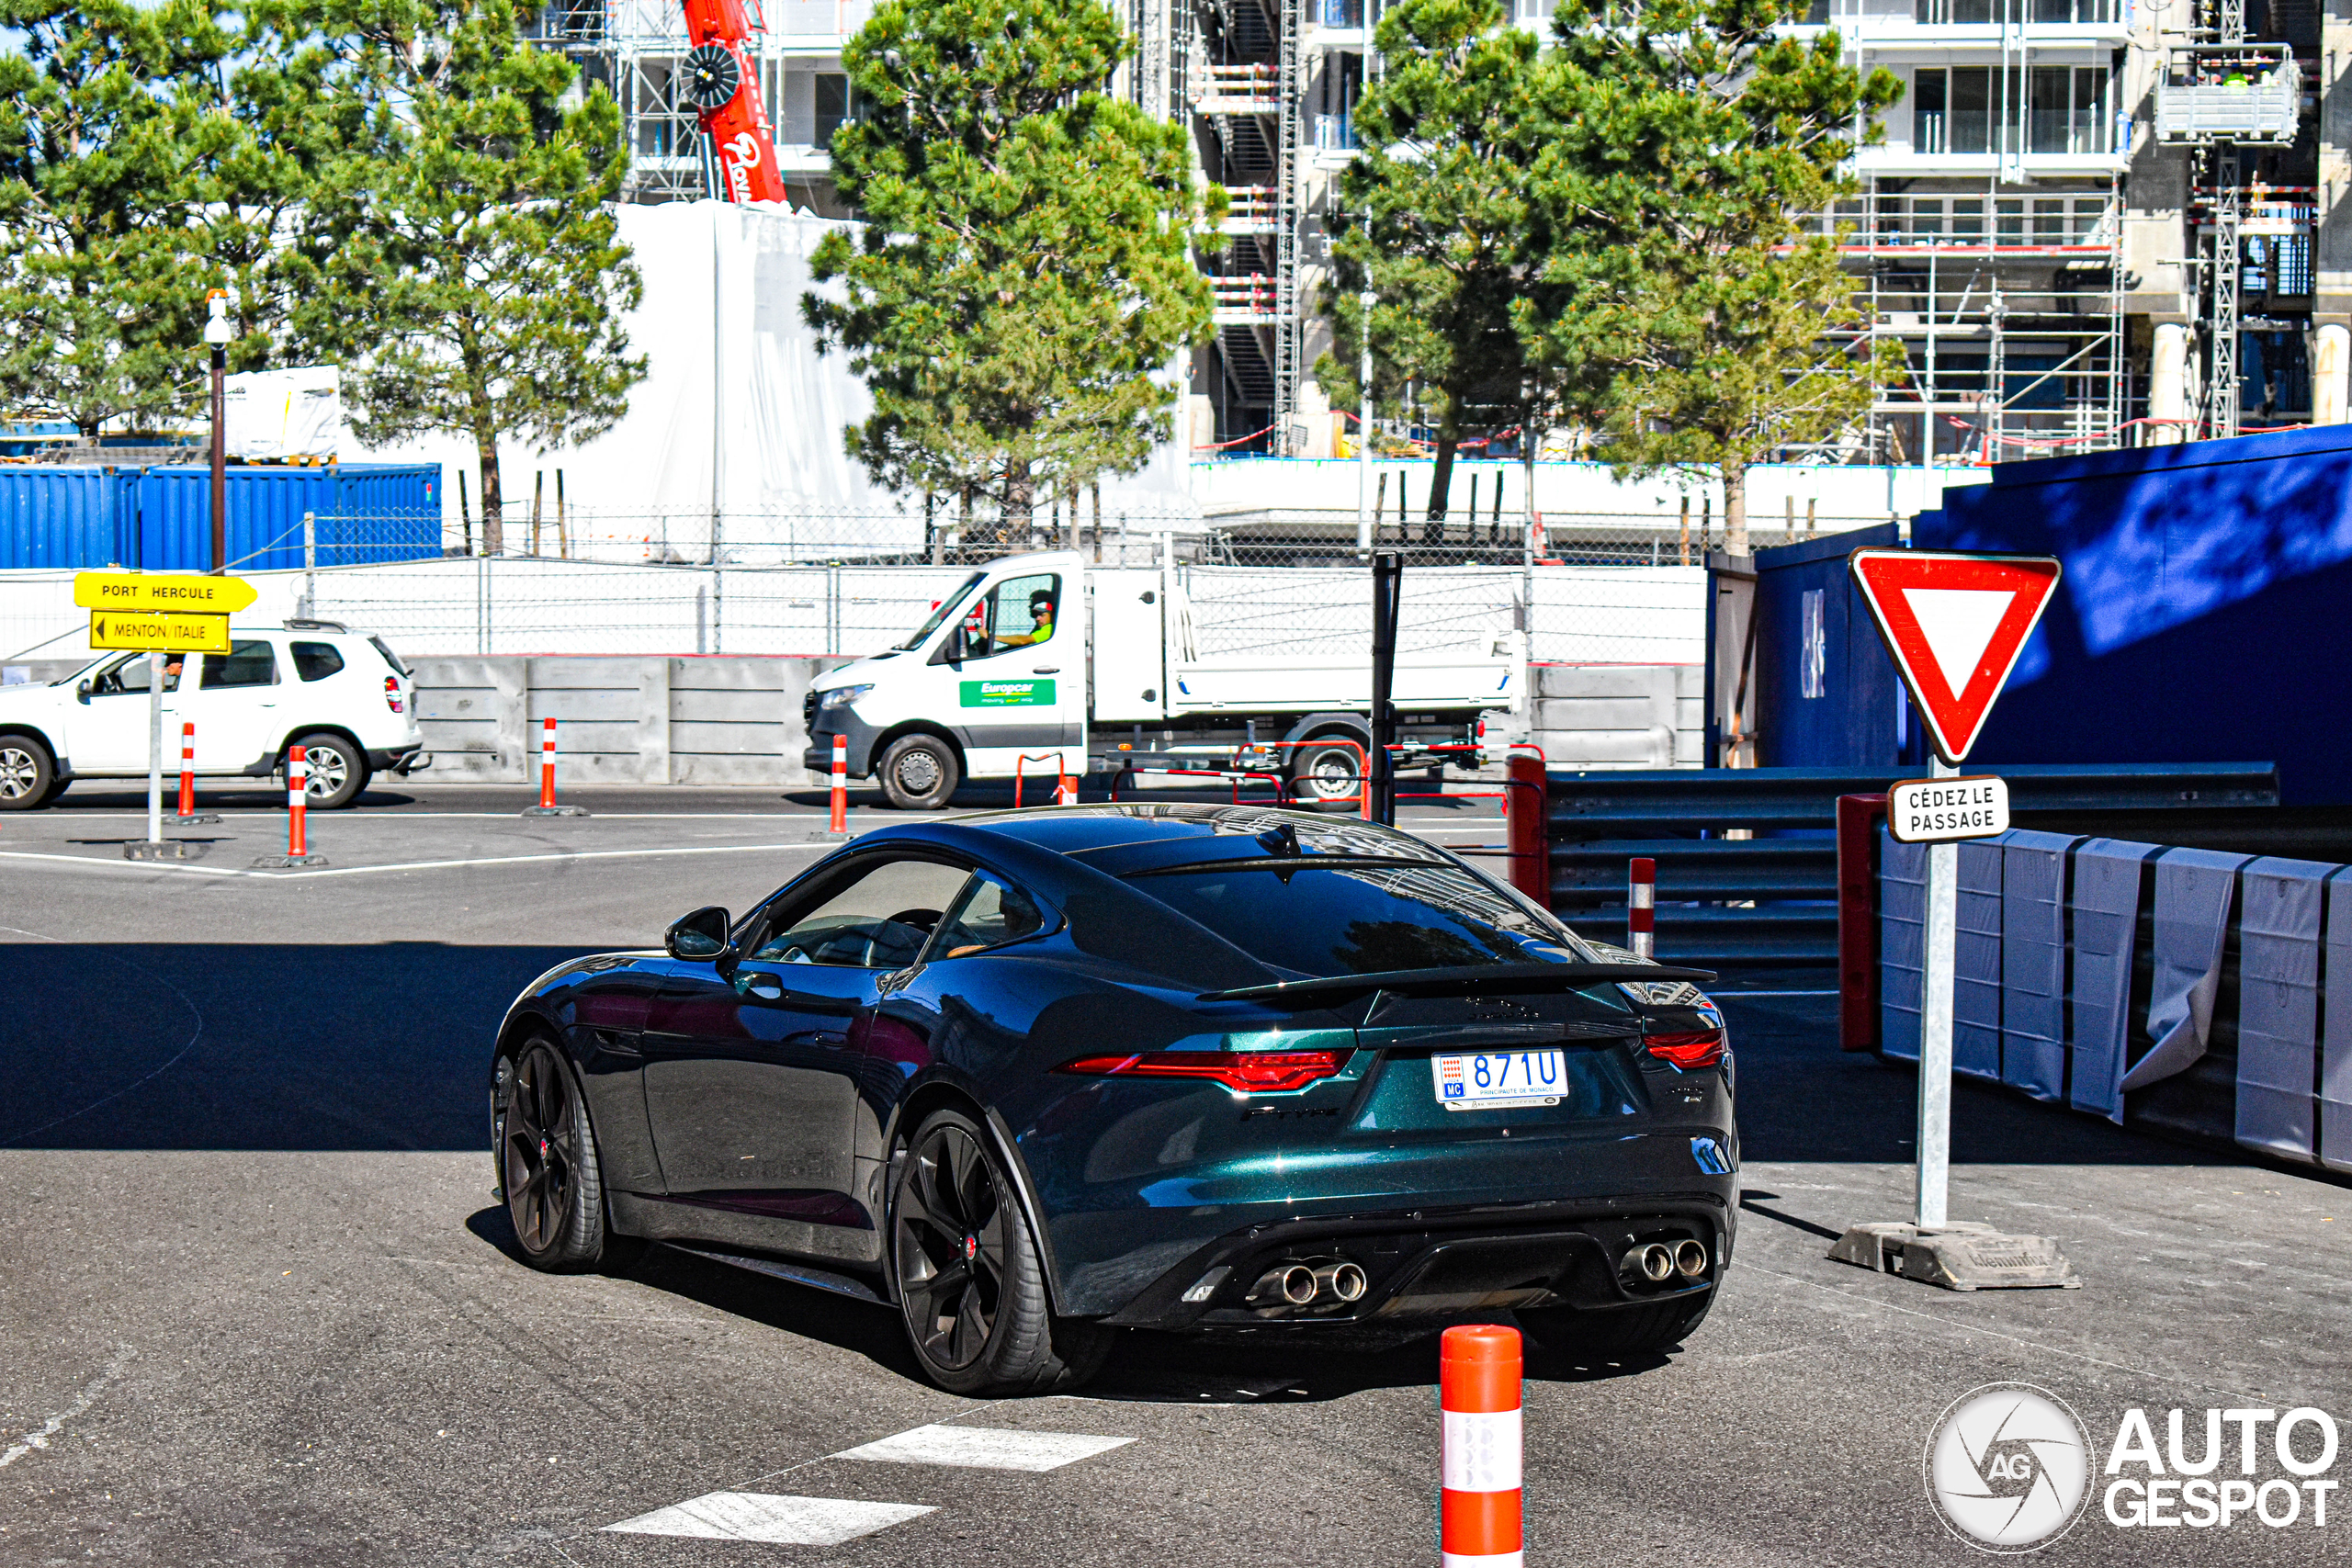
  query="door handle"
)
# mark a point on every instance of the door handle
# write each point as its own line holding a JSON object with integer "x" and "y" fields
{"x": 1049, "y": 670}
{"x": 766, "y": 990}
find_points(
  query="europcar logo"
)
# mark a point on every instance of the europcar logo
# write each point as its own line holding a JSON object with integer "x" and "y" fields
{"x": 2007, "y": 1467}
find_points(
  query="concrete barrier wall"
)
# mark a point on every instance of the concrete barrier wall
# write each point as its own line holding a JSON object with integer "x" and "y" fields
{"x": 1620, "y": 716}
{"x": 718, "y": 720}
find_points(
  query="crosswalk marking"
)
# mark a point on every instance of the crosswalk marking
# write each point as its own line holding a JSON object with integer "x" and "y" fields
{"x": 763, "y": 1516}
{"x": 984, "y": 1448}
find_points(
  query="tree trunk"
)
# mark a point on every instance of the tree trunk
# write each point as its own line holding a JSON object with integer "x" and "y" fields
{"x": 1449, "y": 436}
{"x": 1020, "y": 501}
{"x": 1735, "y": 472}
{"x": 493, "y": 515}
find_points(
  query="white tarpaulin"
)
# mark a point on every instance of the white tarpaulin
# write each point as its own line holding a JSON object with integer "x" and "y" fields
{"x": 739, "y": 414}
{"x": 284, "y": 413}
{"x": 2194, "y": 889}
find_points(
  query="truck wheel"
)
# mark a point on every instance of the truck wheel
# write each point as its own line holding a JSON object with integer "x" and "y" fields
{"x": 28, "y": 777}
{"x": 919, "y": 774}
{"x": 1326, "y": 772}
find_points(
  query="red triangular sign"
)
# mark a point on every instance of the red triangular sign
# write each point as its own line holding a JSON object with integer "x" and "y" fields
{"x": 1954, "y": 625}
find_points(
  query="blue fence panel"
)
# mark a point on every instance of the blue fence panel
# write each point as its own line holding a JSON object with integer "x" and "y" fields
{"x": 2107, "y": 929}
{"x": 363, "y": 513}
{"x": 1901, "y": 943}
{"x": 1826, "y": 696}
{"x": 2033, "y": 963}
{"x": 66, "y": 518}
{"x": 2280, "y": 902}
{"x": 2336, "y": 1052}
{"x": 1976, "y": 961}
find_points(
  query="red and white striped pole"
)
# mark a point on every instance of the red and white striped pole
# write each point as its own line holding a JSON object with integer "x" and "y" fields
{"x": 1640, "y": 906}
{"x": 188, "y": 767}
{"x": 840, "y": 823}
{"x": 547, "y": 765}
{"x": 1478, "y": 1402}
{"x": 1064, "y": 786}
{"x": 298, "y": 795}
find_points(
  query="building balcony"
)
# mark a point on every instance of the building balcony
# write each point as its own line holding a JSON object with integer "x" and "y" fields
{"x": 1904, "y": 163}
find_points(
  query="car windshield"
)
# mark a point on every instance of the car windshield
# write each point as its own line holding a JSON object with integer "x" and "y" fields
{"x": 947, "y": 607}
{"x": 1364, "y": 919}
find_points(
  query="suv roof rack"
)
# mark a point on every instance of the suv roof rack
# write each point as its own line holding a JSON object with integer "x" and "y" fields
{"x": 304, "y": 624}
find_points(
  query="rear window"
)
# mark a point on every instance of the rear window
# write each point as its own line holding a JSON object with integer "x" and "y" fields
{"x": 1362, "y": 919}
{"x": 316, "y": 660}
{"x": 390, "y": 658}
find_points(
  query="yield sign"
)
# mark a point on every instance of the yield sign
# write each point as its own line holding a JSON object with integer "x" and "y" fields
{"x": 1954, "y": 625}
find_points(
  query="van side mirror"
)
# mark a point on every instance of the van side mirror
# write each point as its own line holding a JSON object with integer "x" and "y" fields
{"x": 82, "y": 691}
{"x": 951, "y": 649}
{"x": 699, "y": 937}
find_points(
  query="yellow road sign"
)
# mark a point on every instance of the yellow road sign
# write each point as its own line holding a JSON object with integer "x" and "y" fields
{"x": 189, "y": 634}
{"x": 160, "y": 591}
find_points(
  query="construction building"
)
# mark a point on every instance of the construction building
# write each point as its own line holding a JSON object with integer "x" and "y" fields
{"x": 2089, "y": 223}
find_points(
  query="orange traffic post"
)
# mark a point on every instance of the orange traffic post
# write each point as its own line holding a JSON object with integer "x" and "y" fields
{"x": 1478, "y": 1404}
{"x": 187, "y": 768}
{"x": 1065, "y": 788}
{"x": 546, "y": 805}
{"x": 297, "y": 797}
{"x": 840, "y": 823}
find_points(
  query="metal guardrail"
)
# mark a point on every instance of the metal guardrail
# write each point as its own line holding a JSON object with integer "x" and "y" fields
{"x": 1771, "y": 899}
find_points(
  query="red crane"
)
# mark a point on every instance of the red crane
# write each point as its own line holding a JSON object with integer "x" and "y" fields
{"x": 722, "y": 81}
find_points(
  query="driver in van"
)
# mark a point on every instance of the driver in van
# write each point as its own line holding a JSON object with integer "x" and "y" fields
{"x": 1041, "y": 616}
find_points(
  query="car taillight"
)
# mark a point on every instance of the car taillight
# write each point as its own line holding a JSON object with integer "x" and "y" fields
{"x": 1250, "y": 1072}
{"x": 392, "y": 693}
{"x": 1698, "y": 1048}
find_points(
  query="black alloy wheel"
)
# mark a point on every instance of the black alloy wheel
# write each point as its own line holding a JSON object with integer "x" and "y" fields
{"x": 27, "y": 778}
{"x": 971, "y": 1287}
{"x": 548, "y": 1170}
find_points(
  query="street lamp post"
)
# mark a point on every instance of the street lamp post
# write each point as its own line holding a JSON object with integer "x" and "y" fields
{"x": 1363, "y": 432}
{"x": 217, "y": 334}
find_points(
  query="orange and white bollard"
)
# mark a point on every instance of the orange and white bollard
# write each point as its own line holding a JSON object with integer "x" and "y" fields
{"x": 1479, "y": 1402}
{"x": 1640, "y": 906}
{"x": 297, "y": 797}
{"x": 546, "y": 805}
{"x": 1065, "y": 787}
{"x": 840, "y": 823}
{"x": 187, "y": 768}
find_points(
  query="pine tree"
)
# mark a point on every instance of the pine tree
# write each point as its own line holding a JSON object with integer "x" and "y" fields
{"x": 1698, "y": 319}
{"x": 1024, "y": 268}
{"x": 108, "y": 120}
{"x": 475, "y": 277}
{"x": 1434, "y": 220}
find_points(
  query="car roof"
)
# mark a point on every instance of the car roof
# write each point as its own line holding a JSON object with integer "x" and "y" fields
{"x": 1122, "y": 839}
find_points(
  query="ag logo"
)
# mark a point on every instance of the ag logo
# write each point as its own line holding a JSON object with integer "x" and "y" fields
{"x": 2007, "y": 1467}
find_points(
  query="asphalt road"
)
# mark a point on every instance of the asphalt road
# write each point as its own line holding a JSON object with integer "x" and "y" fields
{"x": 256, "y": 1305}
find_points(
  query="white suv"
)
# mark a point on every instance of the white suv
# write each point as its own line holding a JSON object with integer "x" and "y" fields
{"x": 341, "y": 694}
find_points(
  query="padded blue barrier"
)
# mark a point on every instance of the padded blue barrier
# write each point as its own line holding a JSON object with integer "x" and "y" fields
{"x": 2033, "y": 962}
{"x": 2280, "y": 906}
{"x": 2106, "y": 923}
{"x": 1901, "y": 943}
{"x": 1976, "y": 961}
{"x": 2335, "y": 1044}
{"x": 2194, "y": 891}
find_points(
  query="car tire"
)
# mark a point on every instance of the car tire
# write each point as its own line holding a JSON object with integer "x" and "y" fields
{"x": 1324, "y": 772}
{"x": 338, "y": 771}
{"x": 549, "y": 1175}
{"x": 919, "y": 773}
{"x": 1615, "y": 1331}
{"x": 971, "y": 1281}
{"x": 27, "y": 774}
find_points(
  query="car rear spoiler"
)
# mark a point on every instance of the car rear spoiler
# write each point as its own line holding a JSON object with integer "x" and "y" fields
{"x": 1467, "y": 979}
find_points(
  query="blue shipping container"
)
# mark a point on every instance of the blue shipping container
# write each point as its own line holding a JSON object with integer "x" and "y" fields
{"x": 160, "y": 519}
{"x": 2202, "y": 612}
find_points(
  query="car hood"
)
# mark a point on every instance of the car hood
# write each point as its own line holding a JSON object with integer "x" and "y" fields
{"x": 856, "y": 673}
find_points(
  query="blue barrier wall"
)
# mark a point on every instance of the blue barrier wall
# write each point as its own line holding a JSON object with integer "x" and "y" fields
{"x": 160, "y": 519}
{"x": 1826, "y": 695}
{"x": 2201, "y": 618}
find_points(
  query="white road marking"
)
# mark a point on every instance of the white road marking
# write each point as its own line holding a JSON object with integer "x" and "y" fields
{"x": 763, "y": 1517}
{"x": 39, "y": 1436}
{"x": 985, "y": 1447}
{"x": 413, "y": 865}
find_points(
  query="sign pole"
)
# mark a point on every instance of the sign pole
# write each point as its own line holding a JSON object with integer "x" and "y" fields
{"x": 1935, "y": 1028}
{"x": 155, "y": 744}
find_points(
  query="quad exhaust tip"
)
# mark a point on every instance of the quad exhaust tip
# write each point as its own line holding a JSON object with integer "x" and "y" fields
{"x": 1690, "y": 1259}
{"x": 1341, "y": 1281}
{"x": 1287, "y": 1284}
{"x": 1653, "y": 1262}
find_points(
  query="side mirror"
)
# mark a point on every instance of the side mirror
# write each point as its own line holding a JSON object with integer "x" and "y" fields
{"x": 701, "y": 936}
{"x": 82, "y": 691}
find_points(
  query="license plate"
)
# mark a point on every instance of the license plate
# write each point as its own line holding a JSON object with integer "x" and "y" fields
{"x": 1494, "y": 1080}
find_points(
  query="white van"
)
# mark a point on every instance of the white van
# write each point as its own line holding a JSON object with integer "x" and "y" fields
{"x": 1046, "y": 662}
{"x": 341, "y": 696}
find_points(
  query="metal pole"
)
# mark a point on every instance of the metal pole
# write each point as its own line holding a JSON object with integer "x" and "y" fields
{"x": 217, "y": 334}
{"x": 156, "y": 747}
{"x": 309, "y": 562}
{"x": 1387, "y": 584}
{"x": 1363, "y": 431}
{"x": 1935, "y": 1028}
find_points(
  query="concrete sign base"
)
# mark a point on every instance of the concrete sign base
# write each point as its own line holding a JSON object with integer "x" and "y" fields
{"x": 1959, "y": 1257}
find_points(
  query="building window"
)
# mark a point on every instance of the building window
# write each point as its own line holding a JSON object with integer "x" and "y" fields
{"x": 1930, "y": 133}
{"x": 833, "y": 104}
{"x": 2063, "y": 109}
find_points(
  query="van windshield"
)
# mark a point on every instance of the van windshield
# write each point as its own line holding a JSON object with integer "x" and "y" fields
{"x": 947, "y": 607}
